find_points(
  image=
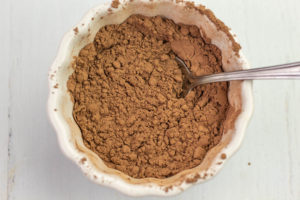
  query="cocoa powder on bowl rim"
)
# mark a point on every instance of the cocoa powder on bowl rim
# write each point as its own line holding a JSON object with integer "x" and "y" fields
{"x": 125, "y": 86}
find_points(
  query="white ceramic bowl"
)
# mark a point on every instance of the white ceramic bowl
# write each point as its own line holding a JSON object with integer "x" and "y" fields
{"x": 69, "y": 135}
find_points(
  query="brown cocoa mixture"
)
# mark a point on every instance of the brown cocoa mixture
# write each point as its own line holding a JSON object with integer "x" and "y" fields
{"x": 125, "y": 87}
{"x": 218, "y": 23}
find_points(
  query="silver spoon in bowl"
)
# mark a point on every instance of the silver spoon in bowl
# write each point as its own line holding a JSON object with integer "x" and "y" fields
{"x": 284, "y": 71}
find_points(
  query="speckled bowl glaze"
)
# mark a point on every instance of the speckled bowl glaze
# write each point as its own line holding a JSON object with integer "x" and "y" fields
{"x": 69, "y": 136}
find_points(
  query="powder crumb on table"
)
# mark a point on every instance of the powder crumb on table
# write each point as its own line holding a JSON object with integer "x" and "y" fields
{"x": 125, "y": 87}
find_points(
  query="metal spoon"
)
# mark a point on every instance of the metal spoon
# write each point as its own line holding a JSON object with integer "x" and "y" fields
{"x": 284, "y": 71}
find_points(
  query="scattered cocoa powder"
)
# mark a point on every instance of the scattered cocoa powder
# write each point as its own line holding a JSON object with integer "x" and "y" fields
{"x": 82, "y": 161}
{"x": 223, "y": 156}
{"x": 115, "y": 3}
{"x": 168, "y": 188}
{"x": 125, "y": 86}
{"x": 76, "y": 30}
{"x": 218, "y": 23}
{"x": 193, "y": 179}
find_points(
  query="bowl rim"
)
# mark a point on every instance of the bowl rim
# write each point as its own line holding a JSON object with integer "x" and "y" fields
{"x": 112, "y": 180}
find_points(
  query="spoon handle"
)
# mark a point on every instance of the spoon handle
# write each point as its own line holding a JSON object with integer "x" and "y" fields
{"x": 284, "y": 71}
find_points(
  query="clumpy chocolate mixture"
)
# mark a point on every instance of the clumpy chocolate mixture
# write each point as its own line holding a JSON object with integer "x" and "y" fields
{"x": 125, "y": 87}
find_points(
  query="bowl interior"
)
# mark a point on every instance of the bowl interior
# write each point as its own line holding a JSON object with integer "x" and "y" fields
{"x": 60, "y": 104}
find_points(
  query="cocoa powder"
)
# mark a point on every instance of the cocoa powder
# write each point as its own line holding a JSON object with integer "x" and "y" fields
{"x": 115, "y": 3}
{"x": 125, "y": 86}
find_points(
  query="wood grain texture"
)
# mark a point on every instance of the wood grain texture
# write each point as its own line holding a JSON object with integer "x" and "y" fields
{"x": 31, "y": 163}
{"x": 4, "y": 97}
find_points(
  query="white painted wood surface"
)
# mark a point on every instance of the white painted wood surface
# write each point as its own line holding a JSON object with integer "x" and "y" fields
{"x": 31, "y": 163}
